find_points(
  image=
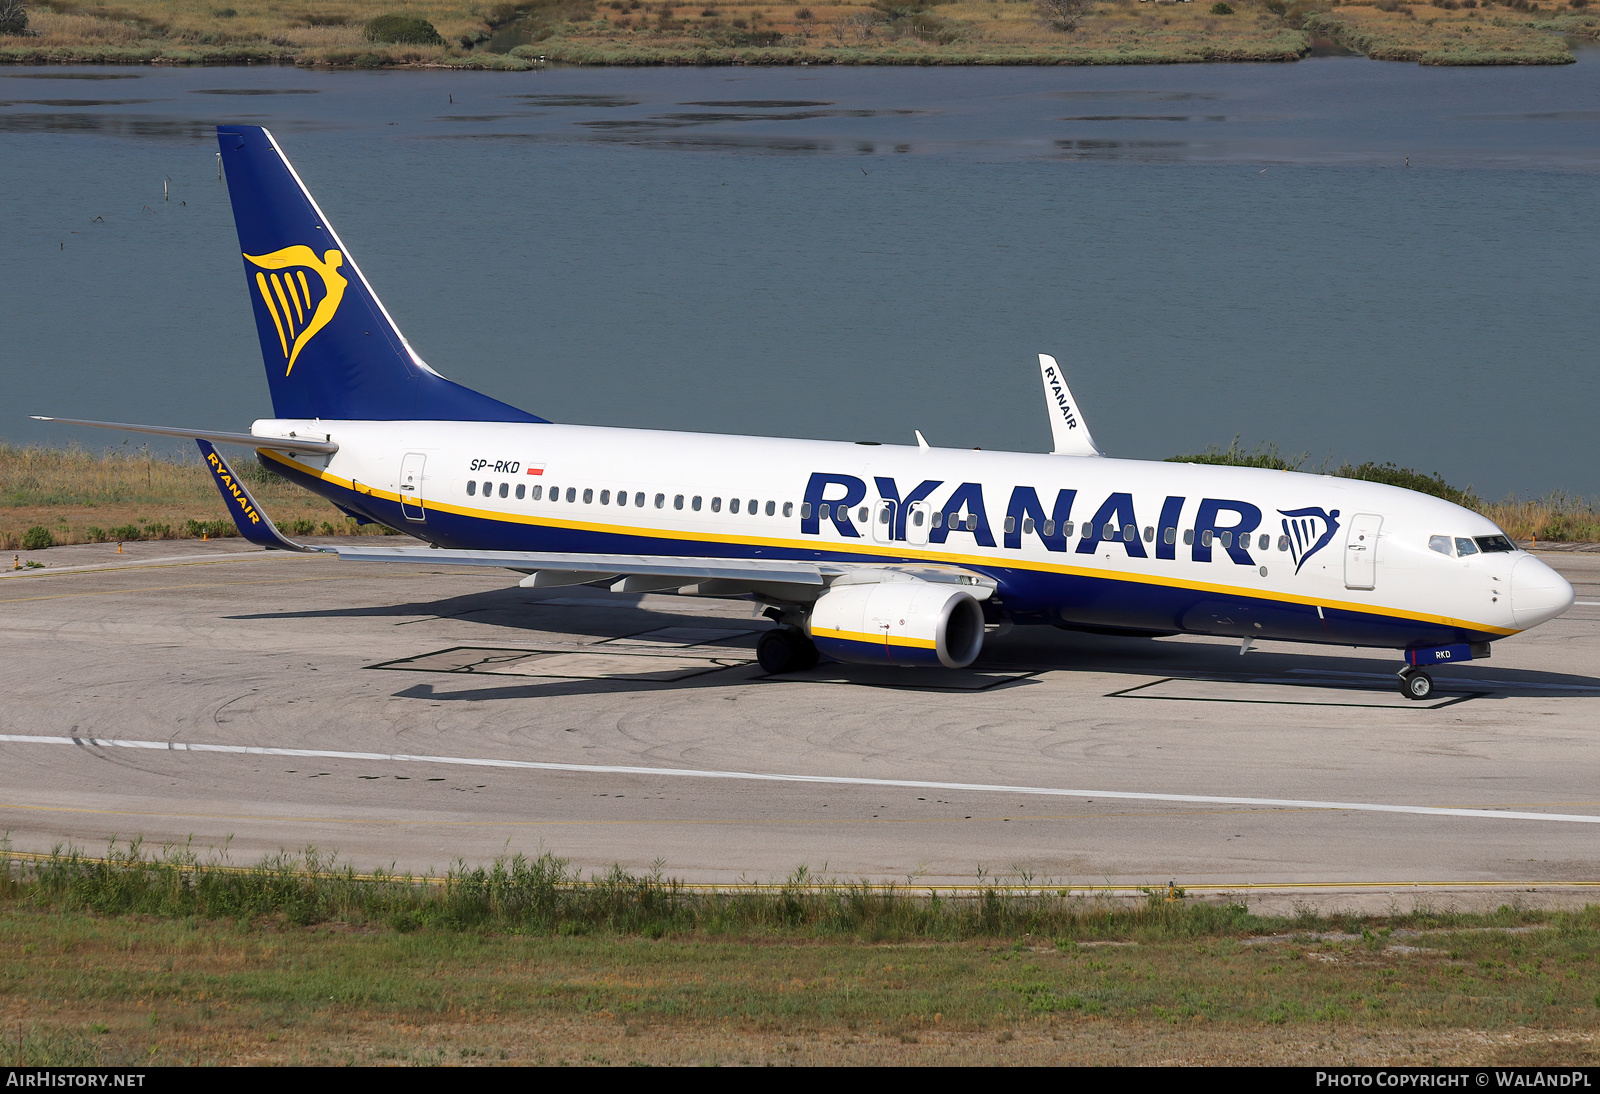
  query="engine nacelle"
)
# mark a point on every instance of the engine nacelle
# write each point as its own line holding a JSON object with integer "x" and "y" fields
{"x": 898, "y": 623}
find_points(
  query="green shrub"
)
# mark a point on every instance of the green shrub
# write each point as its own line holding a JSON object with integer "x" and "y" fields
{"x": 13, "y": 17}
{"x": 1221, "y": 9}
{"x": 1408, "y": 479}
{"x": 1265, "y": 455}
{"x": 95, "y": 534}
{"x": 158, "y": 531}
{"x": 37, "y": 538}
{"x": 126, "y": 533}
{"x": 214, "y": 529}
{"x": 406, "y": 30}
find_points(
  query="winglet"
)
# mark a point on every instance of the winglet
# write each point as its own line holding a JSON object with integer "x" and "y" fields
{"x": 254, "y": 524}
{"x": 1067, "y": 427}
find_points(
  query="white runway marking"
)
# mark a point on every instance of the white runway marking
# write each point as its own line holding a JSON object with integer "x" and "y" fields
{"x": 833, "y": 780}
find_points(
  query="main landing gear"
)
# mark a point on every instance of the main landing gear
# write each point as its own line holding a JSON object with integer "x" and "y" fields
{"x": 786, "y": 649}
{"x": 1415, "y": 684}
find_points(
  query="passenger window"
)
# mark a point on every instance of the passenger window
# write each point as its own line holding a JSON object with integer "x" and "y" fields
{"x": 622, "y": 497}
{"x": 572, "y": 494}
{"x": 1130, "y": 532}
{"x": 488, "y": 489}
{"x": 588, "y": 497}
{"x": 522, "y": 491}
{"x": 538, "y": 491}
{"x": 733, "y": 505}
{"x": 1050, "y": 528}
{"x": 916, "y": 517}
{"x": 716, "y": 505}
{"x": 788, "y": 508}
{"x": 862, "y": 515}
{"x": 1205, "y": 538}
{"x": 1441, "y": 544}
{"x": 772, "y": 508}
{"x": 1066, "y": 529}
{"x": 605, "y": 497}
{"x": 472, "y": 488}
{"x": 1170, "y": 536}
{"x": 1264, "y": 542}
{"x": 505, "y": 488}
{"x": 1188, "y": 537}
{"x": 937, "y": 521}
{"x": 805, "y": 510}
{"x": 1283, "y": 543}
{"x": 1227, "y": 539}
{"x": 661, "y": 501}
{"x": 826, "y": 512}
{"x": 883, "y": 516}
{"x": 1108, "y": 532}
{"x": 695, "y": 504}
{"x": 638, "y": 499}
{"x": 1027, "y": 525}
{"x": 1149, "y": 534}
{"x": 1011, "y": 522}
{"x": 1465, "y": 546}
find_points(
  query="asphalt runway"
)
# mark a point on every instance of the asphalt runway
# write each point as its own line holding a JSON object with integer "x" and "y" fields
{"x": 255, "y": 701}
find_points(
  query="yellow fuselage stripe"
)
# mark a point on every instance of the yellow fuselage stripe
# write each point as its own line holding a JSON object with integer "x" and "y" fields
{"x": 898, "y": 552}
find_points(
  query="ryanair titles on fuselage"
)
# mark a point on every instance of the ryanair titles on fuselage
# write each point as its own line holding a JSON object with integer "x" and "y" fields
{"x": 1228, "y": 523}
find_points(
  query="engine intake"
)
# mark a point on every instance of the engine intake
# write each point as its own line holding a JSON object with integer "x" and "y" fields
{"x": 898, "y": 623}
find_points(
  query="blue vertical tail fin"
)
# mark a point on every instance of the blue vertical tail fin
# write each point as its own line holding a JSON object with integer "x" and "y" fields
{"x": 330, "y": 348}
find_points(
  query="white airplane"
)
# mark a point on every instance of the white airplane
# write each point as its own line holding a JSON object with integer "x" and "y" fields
{"x": 864, "y": 552}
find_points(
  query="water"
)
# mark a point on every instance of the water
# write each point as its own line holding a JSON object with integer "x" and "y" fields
{"x": 1210, "y": 250}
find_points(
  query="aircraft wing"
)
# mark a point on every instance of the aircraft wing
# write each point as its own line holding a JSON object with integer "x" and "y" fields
{"x": 794, "y": 579}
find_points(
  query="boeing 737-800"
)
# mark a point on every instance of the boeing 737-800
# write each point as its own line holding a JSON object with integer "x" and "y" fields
{"x": 862, "y": 552}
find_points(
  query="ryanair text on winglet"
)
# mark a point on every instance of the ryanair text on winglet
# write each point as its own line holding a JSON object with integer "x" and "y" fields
{"x": 219, "y": 469}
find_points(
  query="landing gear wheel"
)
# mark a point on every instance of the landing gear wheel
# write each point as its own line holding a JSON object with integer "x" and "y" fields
{"x": 1416, "y": 685}
{"x": 785, "y": 649}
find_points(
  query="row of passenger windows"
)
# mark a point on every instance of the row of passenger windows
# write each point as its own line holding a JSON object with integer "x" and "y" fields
{"x": 753, "y": 506}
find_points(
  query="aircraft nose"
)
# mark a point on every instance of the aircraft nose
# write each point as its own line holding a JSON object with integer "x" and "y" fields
{"x": 1538, "y": 593}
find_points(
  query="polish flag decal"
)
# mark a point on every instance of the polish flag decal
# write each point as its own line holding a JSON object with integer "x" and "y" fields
{"x": 536, "y": 469}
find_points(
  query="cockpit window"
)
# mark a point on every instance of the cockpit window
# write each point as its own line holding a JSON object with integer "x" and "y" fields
{"x": 1491, "y": 545}
{"x": 1442, "y": 544}
{"x": 1465, "y": 546}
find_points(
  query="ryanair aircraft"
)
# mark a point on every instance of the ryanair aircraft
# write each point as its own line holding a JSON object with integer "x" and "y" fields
{"x": 864, "y": 552}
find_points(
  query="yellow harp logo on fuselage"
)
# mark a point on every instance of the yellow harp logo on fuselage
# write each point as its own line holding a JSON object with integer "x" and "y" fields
{"x": 299, "y": 309}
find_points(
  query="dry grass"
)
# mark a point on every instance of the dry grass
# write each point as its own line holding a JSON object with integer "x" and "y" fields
{"x": 87, "y": 497}
{"x": 656, "y": 32}
{"x": 1486, "y": 35}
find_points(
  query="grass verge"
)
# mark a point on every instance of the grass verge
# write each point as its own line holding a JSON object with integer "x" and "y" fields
{"x": 1455, "y": 35}
{"x": 52, "y": 496}
{"x": 167, "y": 959}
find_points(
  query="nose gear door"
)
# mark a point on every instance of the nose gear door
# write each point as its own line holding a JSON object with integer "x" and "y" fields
{"x": 411, "y": 486}
{"x": 1361, "y": 551}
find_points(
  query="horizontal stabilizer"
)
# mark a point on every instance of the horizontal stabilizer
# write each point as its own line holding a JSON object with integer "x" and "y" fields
{"x": 253, "y": 524}
{"x": 1067, "y": 427}
{"x": 216, "y": 436}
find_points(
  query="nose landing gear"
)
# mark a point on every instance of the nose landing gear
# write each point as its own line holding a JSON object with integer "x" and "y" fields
{"x": 1415, "y": 684}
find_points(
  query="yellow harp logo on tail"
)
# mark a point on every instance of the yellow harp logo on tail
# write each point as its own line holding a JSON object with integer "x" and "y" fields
{"x": 298, "y": 308}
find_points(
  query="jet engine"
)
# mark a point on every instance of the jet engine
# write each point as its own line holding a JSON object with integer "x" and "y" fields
{"x": 898, "y": 623}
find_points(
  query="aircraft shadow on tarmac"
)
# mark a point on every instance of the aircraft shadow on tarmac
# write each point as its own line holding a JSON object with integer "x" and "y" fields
{"x": 1187, "y": 669}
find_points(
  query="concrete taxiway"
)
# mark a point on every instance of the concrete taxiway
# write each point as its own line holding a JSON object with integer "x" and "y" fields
{"x": 415, "y": 716}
